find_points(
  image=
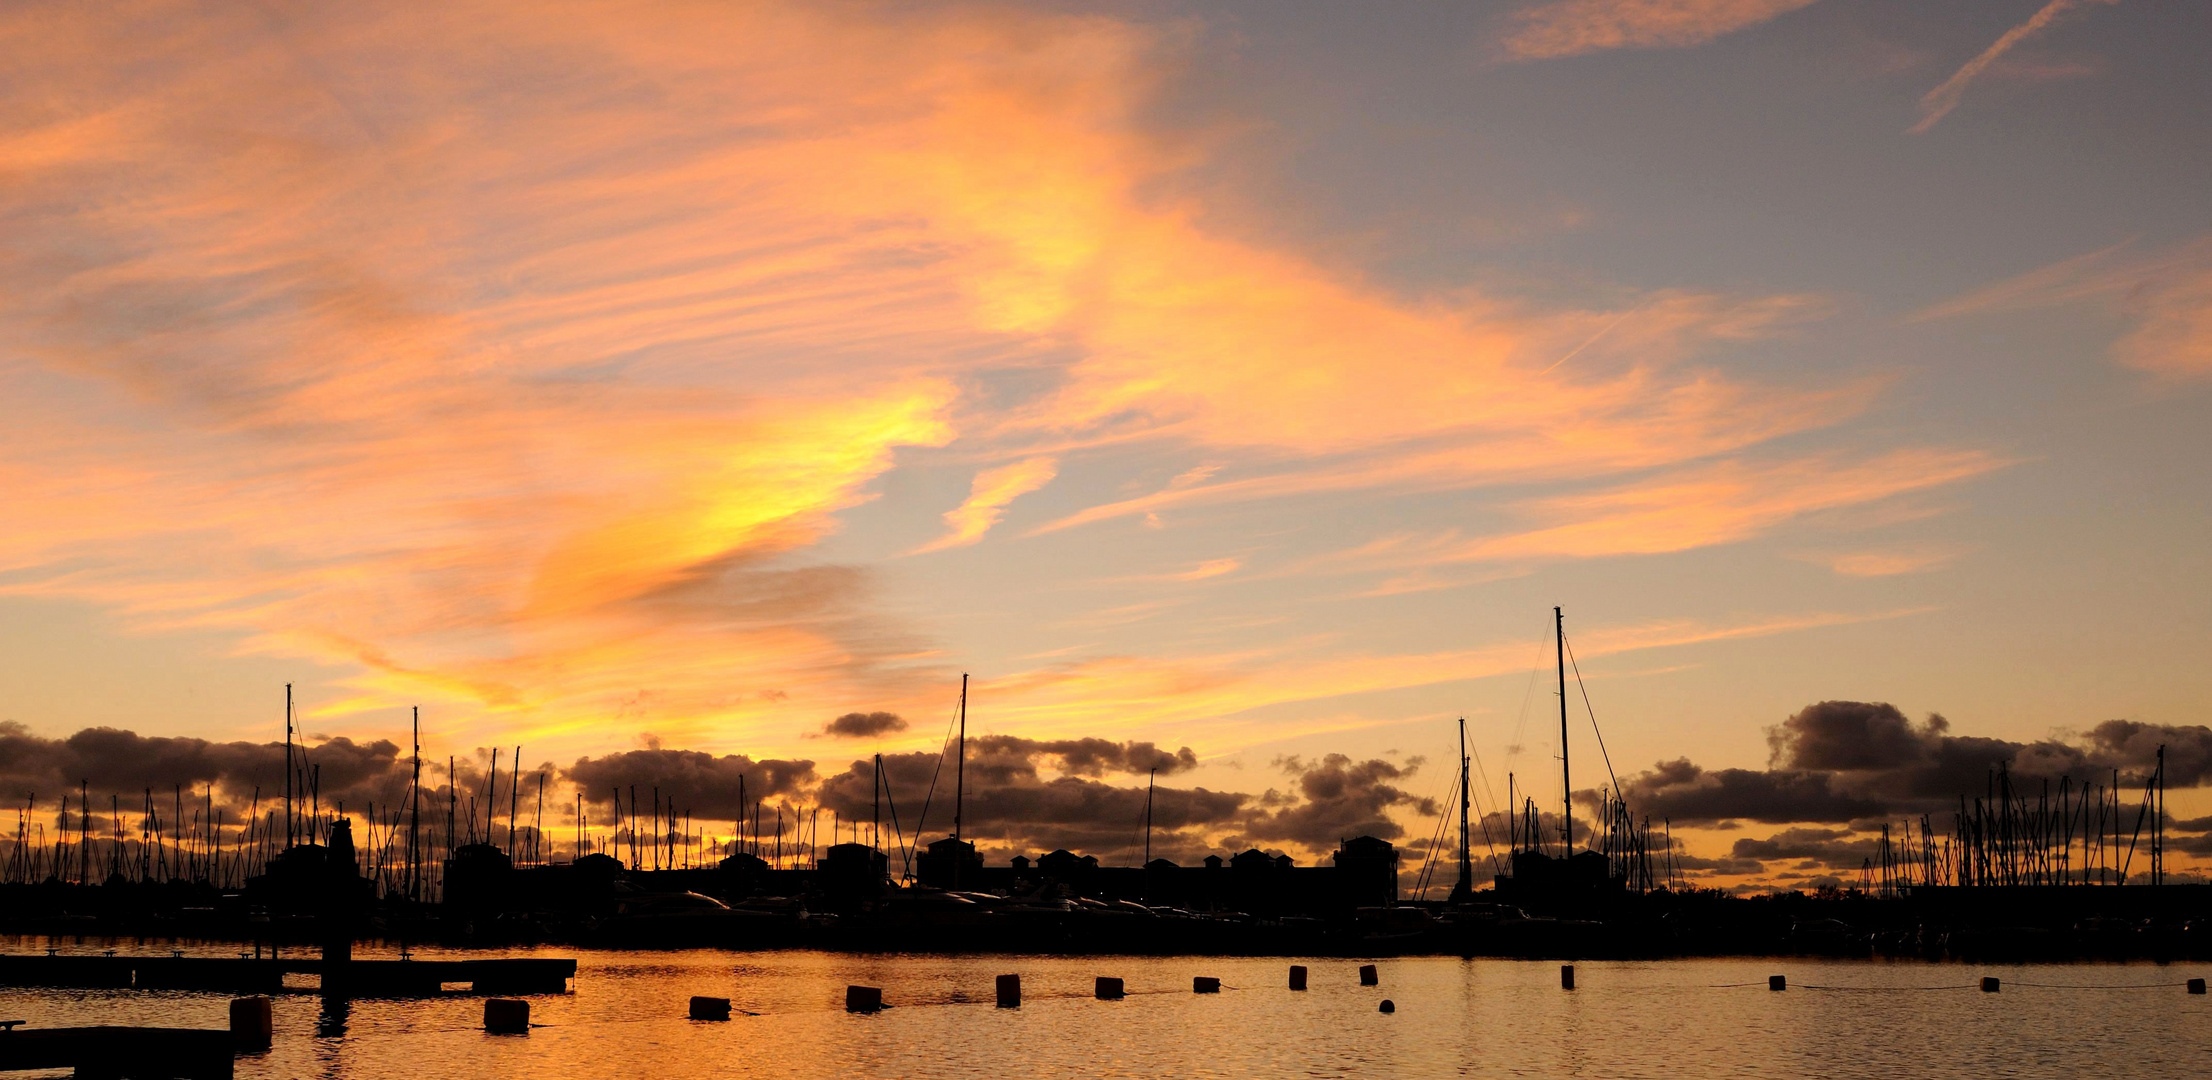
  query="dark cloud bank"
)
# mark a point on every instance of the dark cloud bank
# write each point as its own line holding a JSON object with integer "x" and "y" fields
{"x": 1023, "y": 795}
{"x": 112, "y": 761}
{"x": 858, "y": 725}
{"x": 1837, "y": 770}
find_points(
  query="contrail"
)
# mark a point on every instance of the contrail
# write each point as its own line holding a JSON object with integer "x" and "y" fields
{"x": 1940, "y": 101}
{"x": 1602, "y": 331}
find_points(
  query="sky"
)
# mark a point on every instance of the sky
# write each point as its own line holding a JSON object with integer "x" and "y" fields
{"x": 653, "y": 385}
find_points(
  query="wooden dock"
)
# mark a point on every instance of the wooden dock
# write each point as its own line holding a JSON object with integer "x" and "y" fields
{"x": 361, "y": 978}
{"x": 121, "y": 1053}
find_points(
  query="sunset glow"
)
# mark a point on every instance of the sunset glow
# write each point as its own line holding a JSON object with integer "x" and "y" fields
{"x": 598, "y": 376}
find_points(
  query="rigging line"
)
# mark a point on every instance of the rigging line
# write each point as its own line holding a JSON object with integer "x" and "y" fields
{"x": 933, "y": 775}
{"x": 898, "y": 836}
{"x": 1428, "y": 861}
{"x": 1580, "y": 685}
{"x": 1482, "y": 819}
{"x": 1487, "y": 790}
{"x": 1441, "y": 818}
{"x": 1520, "y": 726}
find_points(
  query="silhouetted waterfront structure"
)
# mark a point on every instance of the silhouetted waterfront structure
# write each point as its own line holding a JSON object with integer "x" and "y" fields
{"x": 2018, "y": 874}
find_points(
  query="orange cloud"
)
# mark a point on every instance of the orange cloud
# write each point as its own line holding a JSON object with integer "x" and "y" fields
{"x": 1724, "y": 502}
{"x": 1118, "y": 694}
{"x": 1938, "y": 103}
{"x": 1211, "y": 568}
{"x": 1574, "y": 27}
{"x": 1884, "y": 563}
{"x": 520, "y": 363}
{"x": 987, "y": 498}
{"x": 2167, "y": 296}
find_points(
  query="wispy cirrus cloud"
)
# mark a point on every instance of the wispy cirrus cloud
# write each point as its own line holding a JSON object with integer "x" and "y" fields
{"x": 2165, "y": 296}
{"x": 1938, "y": 103}
{"x": 987, "y": 499}
{"x": 1889, "y": 562}
{"x": 1123, "y": 693}
{"x": 1709, "y": 504}
{"x": 1560, "y": 28}
{"x": 522, "y": 364}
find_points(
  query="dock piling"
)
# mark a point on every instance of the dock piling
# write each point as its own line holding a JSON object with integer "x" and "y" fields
{"x": 1297, "y": 976}
{"x": 1108, "y": 988}
{"x": 1989, "y": 984}
{"x": 2196, "y": 986}
{"x": 1368, "y": 975}
{"x": 1566, "y": 976}
{"x": 1778, "y": 982}
{"x": 1009, "y": 991}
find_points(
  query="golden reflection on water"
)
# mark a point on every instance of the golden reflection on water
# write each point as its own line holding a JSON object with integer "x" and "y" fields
{"x": 1681, "y": 1018}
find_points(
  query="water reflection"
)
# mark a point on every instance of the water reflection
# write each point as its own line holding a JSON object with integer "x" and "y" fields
{"x": 331, "y": 1022}
{"x": 627, "y": 1014}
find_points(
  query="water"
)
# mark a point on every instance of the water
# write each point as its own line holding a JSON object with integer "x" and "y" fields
{"x": 1469, "y": 1018}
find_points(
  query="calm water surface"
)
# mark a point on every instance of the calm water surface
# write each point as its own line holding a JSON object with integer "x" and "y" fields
{"x": 1676, "y": 1018}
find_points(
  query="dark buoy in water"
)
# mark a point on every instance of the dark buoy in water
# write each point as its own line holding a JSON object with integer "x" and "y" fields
{"x": 1009, "y": 991}
{"x": 1205, "y": 984}
{"x": 251, "y": 1026}
{"x": 863, "y": 998}
{"x": 1297, "y": 976}
{"x": 1989, "y": 984}
{"x": 1368, "y": 975}
{"x": 710, "y": 1008}
{"x": 1108, "y": 988}
{"x": 1388, "y": 1006}
{"x": 507, "y": 1016}
{"x": 1778, "y": 982}
{"x": 2196, "y": 986}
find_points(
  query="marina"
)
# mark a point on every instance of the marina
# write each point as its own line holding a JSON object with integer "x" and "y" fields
{"x": 1451, "y": 1017}
{"x": 1214, "y": 539}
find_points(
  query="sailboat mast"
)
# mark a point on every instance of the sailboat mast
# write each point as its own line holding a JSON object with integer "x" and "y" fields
{"x": 1150, "y": 780}
{"x": 1466, "y": 852}
{"x": 414, "y": 818}
{"x": 290, "y": 833}
{"x": 1566, "y": 777}
{"x": 960, "y": 771}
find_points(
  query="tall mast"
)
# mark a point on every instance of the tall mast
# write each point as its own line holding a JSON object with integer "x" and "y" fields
{"x": 1566, "y": 778}
{"x": 414, "y": 817}
{"x": 514, "y": 798}
{"x": 875, "y": 820}
{"x": 1150, "y": 780}
{"x": 960, "y": 771}
{"x": 537, "y": 820}
{"x": 1466, "y": 854}
{"x": 290, "y": 833}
